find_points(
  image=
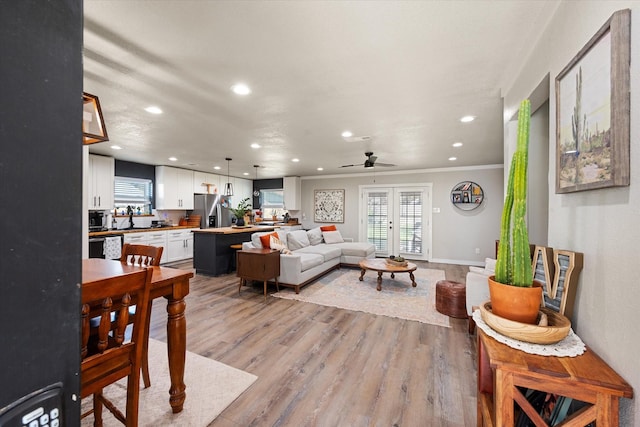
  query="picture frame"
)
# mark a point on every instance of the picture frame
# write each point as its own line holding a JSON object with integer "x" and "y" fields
{"x": 593, "y": 111}
{"x": 328, "y": 206}
{"x": 467, "y": 195}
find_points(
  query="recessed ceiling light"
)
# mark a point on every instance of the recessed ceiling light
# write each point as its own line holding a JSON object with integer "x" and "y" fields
{"x": 217, "y": 168}
{"x": 241, "y": 89}
{"x": 245, "y": 173}
{"x": 452, "y": 159}
{"x": 347, "y": 134}
{"x": 255, "y": 145}
{"x": 457, "y": 144}
{"x": 295, "y": 160}
{"x": 467, "y": 119}
{"x": 153, "y": 110}
{"x": 116, "y": 147}
{"x": 320, "y": 169}
{"x": 173, "y": 159}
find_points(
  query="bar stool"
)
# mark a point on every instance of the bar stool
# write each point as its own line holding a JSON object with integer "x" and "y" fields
{"x": 232, "y": 262}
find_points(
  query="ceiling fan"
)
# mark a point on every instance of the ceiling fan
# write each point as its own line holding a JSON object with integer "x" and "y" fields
{"x": 370, "y": 162}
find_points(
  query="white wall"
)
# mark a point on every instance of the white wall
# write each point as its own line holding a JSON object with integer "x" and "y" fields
{"x": 603, "y": 224}
{"x": 456, "y": 233}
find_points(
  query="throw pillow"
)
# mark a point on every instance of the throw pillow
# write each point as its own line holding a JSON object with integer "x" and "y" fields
{"x": 315, "y": 236}
{"x": 332, "y": 237}
{"x": 277, "y": 244}
{"x": 328, "y": 228}
{"x": 266, "y": 239}
{"x": 297, "y": 239}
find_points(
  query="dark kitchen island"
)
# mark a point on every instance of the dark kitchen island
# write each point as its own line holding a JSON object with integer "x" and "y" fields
{"x": 212, "y": 247}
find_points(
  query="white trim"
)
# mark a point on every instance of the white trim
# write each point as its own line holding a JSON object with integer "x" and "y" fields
{"x": 404, "y": 172}
{"x": 456, "y": 261}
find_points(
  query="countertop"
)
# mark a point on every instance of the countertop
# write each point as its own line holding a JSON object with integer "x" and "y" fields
{"x": 136, "y": 230}
{"x": 234, "y": 230}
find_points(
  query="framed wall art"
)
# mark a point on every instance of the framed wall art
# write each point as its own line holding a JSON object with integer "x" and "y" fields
{"x": 467, "y": 195}
{"x": 328, "y": 206}
{"x": 592, "y": 111}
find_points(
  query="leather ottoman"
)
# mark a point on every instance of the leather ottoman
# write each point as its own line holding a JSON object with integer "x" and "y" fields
{"x": 451, "y": 299}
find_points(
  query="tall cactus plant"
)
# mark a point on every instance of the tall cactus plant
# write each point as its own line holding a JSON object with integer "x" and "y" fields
{"x": 513, "y": 266}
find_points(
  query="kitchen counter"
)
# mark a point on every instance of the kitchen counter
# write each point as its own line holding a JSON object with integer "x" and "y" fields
{"x": 234, "y": 230}
{"x": 136, "y": 230}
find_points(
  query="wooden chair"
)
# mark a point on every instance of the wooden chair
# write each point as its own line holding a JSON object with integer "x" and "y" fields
{"x": 106, "y": 356}
{"x": 144, "y": 256}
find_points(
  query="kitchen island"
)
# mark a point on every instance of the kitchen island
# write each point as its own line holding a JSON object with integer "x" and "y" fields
{"x": 212, "y": 247}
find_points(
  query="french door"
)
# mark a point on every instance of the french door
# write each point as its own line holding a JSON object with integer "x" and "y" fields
{"x": 397, "y": 220}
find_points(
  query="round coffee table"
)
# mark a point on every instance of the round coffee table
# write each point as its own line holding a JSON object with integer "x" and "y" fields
{"x": 381, "y": 266}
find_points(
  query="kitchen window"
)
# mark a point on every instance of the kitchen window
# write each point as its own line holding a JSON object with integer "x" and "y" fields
{"x": 134, "y": 192}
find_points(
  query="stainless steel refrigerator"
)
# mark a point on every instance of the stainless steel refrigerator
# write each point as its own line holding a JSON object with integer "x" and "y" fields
{"x": 213, "y": 210}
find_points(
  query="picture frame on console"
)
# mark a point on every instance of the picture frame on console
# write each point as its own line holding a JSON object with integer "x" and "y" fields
{"x": 593, "y": 111}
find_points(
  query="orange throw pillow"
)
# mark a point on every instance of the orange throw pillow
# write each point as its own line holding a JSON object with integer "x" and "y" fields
{"x": 328, "y": 228}
{"x": 266, "y": 240}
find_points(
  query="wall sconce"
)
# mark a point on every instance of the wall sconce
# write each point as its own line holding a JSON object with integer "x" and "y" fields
{"x": 93, "y": 128}
{"x": 228, "y": 189}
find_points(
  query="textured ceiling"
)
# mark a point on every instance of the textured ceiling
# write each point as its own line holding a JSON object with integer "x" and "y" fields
{"x": 400, "y": 73}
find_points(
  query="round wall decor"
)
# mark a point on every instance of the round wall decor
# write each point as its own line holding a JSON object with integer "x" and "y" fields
{"x": 467, "y": 195}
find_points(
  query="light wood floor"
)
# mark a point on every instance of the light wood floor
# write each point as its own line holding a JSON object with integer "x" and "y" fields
{"x": 323, "y": 366}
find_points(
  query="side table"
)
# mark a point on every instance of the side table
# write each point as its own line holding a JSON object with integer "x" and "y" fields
{"x": 258, "y": 264}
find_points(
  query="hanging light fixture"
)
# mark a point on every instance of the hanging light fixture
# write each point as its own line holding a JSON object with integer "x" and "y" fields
{"x": 256, "y": 192}
{"x": 93, "y": 128}
{"x": 228, "y": 188}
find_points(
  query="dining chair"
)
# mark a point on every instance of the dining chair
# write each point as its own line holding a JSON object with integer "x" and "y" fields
{"x": 106, "y": 356}
{"x": 144, "y": 256}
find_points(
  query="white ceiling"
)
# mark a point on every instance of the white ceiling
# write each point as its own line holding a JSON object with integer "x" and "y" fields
{"x": 401, "y": 73}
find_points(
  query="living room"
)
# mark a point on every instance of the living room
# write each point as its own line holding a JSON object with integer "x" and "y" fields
{"x": 598, "y": 223}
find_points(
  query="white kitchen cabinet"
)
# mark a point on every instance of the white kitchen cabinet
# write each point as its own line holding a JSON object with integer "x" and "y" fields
{"x": 100, "y": 182}
{"x": 158, "y": 239}
{"x": 200, "y": 178}
{"x": 179, "y": 244}
{"x": 242, "y": 188}
{"x": 291, "y": 190}
{"x": 174, "y": 188}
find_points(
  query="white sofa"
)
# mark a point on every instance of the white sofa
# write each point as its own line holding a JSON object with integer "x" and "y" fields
{"x": 477, "y": 287}
{"x": 312, "y": 256}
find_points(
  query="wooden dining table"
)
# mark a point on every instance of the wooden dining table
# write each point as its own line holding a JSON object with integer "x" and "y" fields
{"x": 173, "y": 285}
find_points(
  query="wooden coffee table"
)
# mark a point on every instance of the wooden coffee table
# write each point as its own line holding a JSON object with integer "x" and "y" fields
{"x": 381, "y": 266}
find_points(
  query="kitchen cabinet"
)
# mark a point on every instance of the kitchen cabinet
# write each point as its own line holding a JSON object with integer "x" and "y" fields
{"x": 100, "y": 182}
{"x": 199, "y": 178}
{"x": 242, "y": 188}
{"x": 174, "y": 188}
{"x": 151, "y": 238}
{"x": 292, "y": 196}
{"x": 179, "y": 244}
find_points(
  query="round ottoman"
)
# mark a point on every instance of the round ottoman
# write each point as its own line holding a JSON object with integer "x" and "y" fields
{"x": 451, "y": 299}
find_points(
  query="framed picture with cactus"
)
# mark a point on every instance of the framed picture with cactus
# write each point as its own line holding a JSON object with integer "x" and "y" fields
{"x": 592, "y": 111}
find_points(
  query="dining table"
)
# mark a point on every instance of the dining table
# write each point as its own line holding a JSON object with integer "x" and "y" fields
{"x": 173, "y": 285}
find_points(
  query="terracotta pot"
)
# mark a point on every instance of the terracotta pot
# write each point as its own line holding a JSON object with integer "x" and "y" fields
{"x": 514, "y": 302}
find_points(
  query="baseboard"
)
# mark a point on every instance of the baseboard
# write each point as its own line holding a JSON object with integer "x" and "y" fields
{"x": 457, "y": 261}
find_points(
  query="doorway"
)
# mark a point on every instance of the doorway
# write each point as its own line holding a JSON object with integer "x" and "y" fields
{"x": 397, "y": 220}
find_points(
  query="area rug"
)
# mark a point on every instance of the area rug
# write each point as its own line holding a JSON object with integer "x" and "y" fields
{"x": 342, "y": 289}
{"x": 211, "y": 387}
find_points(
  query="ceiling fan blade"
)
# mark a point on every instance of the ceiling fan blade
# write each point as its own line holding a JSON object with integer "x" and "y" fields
{"x": 348, "y": 166}
{"x": 384, "y": 165}
{"x": 373, "y": 158}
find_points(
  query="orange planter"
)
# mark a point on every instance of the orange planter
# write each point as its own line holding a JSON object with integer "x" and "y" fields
{"x": 514, "y": 302}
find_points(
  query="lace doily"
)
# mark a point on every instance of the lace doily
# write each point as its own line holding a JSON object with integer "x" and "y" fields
{"x": 570, "y": 346}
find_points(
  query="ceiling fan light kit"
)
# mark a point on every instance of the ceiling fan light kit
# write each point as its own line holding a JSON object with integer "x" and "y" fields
{"x": 370, "y": 162}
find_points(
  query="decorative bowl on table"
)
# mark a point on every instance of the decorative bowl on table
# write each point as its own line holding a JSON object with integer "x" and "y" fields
{"x": 396, "y": 261}
{"x": 552, "y": 327}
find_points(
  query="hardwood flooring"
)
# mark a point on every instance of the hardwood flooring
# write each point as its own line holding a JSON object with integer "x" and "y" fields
{"x": 324, "y": 366}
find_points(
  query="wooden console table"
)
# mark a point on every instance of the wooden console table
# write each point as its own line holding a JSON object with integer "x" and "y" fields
{"x": 258, "y": 264}
{"x": 501, "y": 369}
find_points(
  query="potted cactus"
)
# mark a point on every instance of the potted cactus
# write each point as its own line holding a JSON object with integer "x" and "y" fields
{"x": 513, "y": 292}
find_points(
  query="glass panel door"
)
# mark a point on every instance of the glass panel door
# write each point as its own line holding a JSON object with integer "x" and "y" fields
{"x": 378, "y": 216}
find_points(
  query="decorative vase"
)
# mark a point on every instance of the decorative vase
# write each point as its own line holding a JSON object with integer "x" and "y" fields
{"x": 520, "y": 304}
{"x": 240, "y": 221}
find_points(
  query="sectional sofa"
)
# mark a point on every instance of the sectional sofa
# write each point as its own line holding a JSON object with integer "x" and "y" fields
{"x": 311, "y": 254}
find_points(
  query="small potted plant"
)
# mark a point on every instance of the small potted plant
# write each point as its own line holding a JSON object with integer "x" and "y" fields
{"x": 513, "y": 292}
{"x": 241, "y": 210}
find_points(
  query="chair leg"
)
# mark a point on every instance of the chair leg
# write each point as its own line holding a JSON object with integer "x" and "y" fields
{"x": 472, "y": 326}
{"x": 97, "y": 409}
{"x": 146, "y": 379}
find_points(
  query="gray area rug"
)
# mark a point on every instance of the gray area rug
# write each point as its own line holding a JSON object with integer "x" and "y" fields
{"x": 342, "y": 289}
{"x": 211, "y": 387}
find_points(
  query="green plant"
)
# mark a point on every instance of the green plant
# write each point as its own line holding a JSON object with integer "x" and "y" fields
{"x": 513, "y": 266}
{"x": 243, "y": 207}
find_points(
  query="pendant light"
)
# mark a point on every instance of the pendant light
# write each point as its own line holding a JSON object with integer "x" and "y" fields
{"x": 256, "y": 192}
{"x": 228, "y": 188}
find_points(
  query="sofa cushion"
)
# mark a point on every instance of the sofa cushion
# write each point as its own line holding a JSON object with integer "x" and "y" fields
{"x": 359, "y": 249}
{"x": 315, "y": 236}
{"x": 328, "y": 252}
{"x": 266, "y": 239}
{"x": 331, "y": 227}
{"x": 257, "y": 243}
{"x": 308, "y": 260}
{"x": 297, "y": 239}
{"x": 332, "y": 237}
